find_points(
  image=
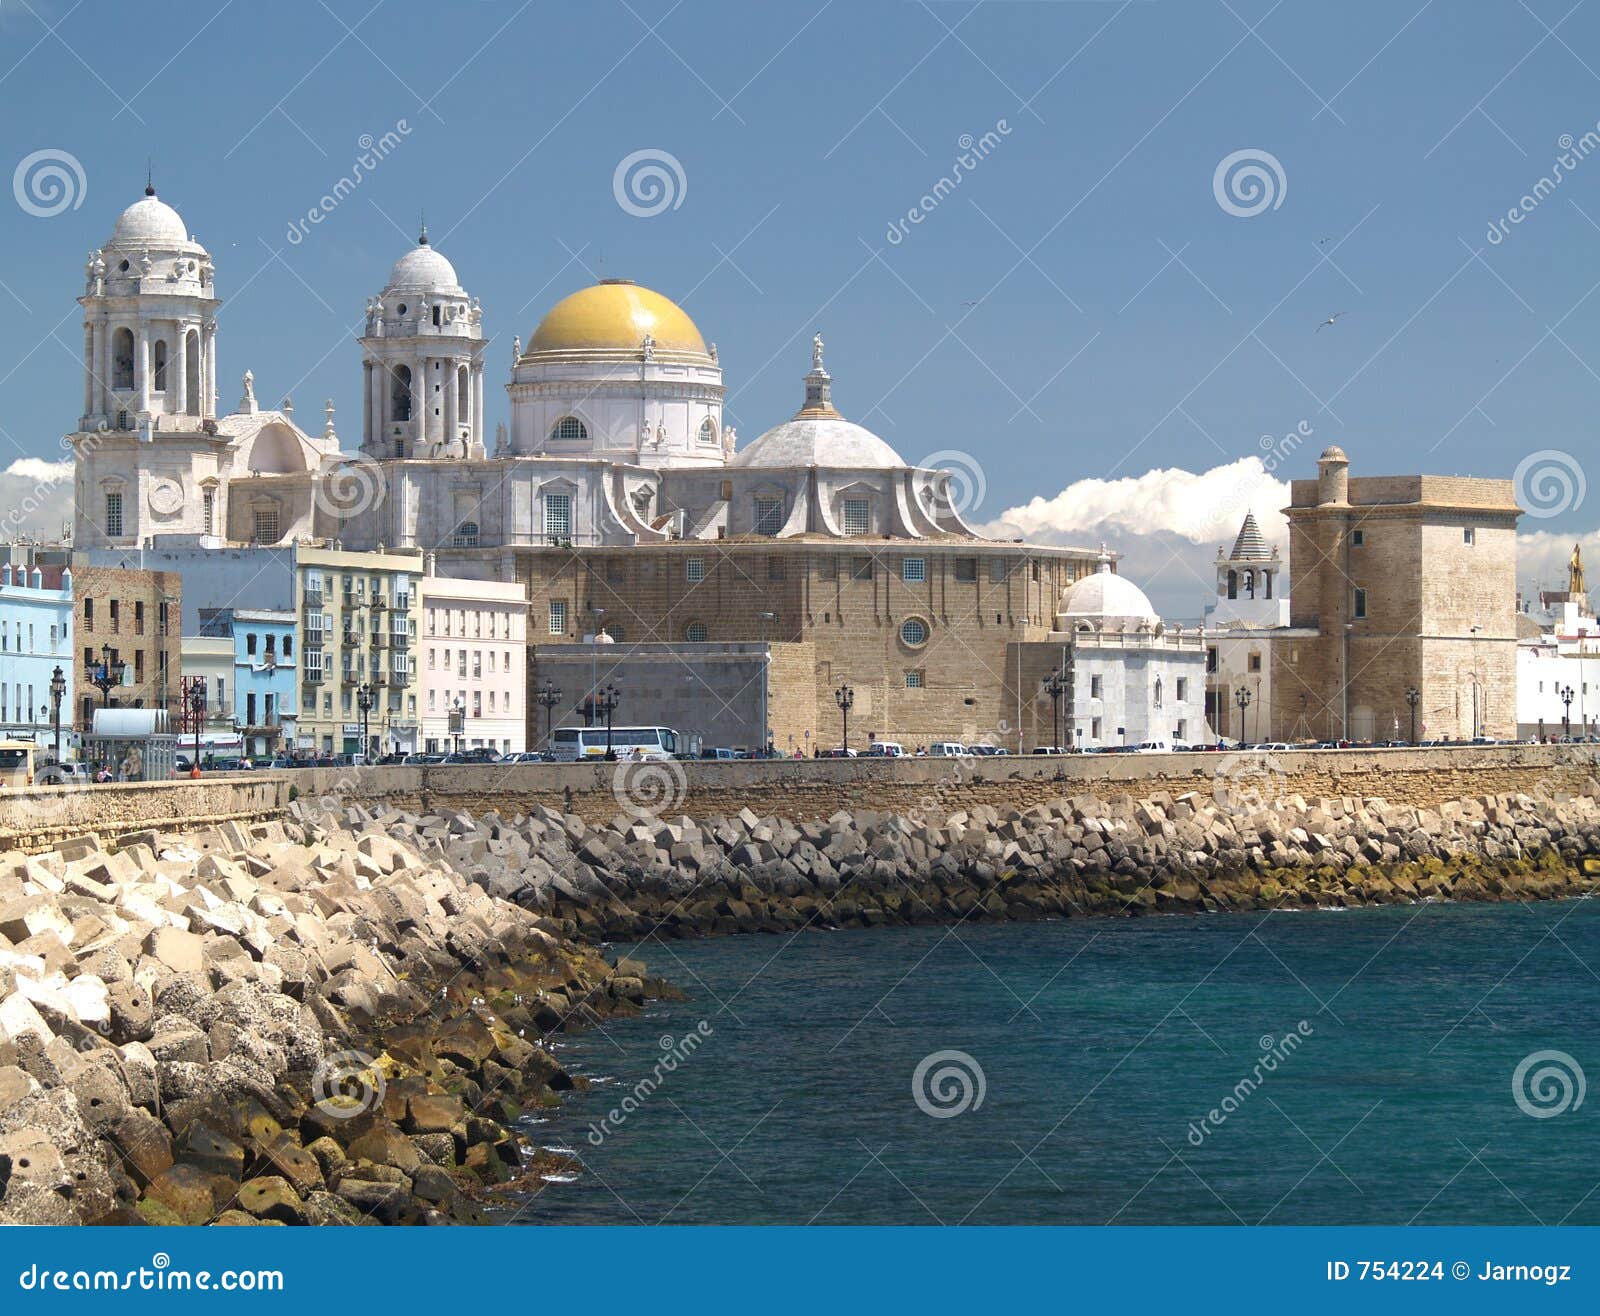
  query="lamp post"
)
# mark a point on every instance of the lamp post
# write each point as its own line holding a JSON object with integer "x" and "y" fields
{"x": 102, "y": 677}
{"x": 766, "y": 672}
{"x": 1566, "y": 696}
{"x": 548, "y": 697}
{"x": 458, "y": 720}
{"x": 606, "y": 704}
{"x": 364, "y": 703}
{"x": 1056, "y": 685}
{"x": 197, "y": 709}
{"x": 58, "y": 690}
{"x": 1413, "y": 698}
{"x": 845, "y": 697}
{"x": 1241, "y": 696}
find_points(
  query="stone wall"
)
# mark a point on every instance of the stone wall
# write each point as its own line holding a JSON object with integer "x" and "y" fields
{"x": 36, "y": 818}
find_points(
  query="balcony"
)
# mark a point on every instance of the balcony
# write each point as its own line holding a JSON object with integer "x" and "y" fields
{"x": 378, "y": 603}
{"x": 399, "y": 680}
{"x": 314, "y": 639}
{"x": 313, "y": 676}
{"x": 380, "y": 640}
{"x": 348, "y": 677}
{"x": 399, "y": 639}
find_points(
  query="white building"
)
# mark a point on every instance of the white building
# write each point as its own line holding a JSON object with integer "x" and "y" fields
{"x": 1558, "y": 662}
{"x": 1252, "y": 600}
{"x": 1134, "y": 679}
{"x": 474, "y": 661}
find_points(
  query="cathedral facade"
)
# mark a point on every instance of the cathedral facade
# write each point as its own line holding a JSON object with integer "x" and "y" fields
{"x": 617, "y": 496}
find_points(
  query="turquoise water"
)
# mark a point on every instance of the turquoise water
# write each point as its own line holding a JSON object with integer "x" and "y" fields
{"x": 1102, "y": 1046}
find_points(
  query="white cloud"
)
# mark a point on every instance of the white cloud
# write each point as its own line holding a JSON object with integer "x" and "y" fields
{"x": 1542, "y": 557}
{"x": 35, "y": 498}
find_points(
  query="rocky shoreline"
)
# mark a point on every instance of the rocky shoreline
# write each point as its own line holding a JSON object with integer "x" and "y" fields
{"x": 341, "y": 1017}
{"x": 301, "y": 1022}
{"x": 640, "y": 877}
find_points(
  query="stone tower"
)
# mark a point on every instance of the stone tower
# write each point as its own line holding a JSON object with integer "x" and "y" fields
{"x": 422, "y": 363}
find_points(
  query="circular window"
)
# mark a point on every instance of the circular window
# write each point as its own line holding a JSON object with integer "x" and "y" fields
{"x": 123, "y": 267}
{"x": 695, "y": 632}
{"x": 400, "y": 309}
{"x": 914, "y": 632}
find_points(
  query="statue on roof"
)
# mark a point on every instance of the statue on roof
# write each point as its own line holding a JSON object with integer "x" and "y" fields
{"x": 816, "y": 351}
{"x": 1575, "y": 571}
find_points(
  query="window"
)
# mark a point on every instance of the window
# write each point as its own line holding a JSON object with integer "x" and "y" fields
{"x": 433, "y": 657}
{"x": 88, "y": 614}
{"x": 569, "y": 429}
{"x": 558, "y": 516}
{"x": 265, "y": 525}
{"x": 1468, "y": 535}
{"x": 250, "y": 644}
{"x": 769, "y": 516}
{"x": 857, "y": 516}
{"x": 116, "y": 617}
{"x": 122, "y": 360}
{"x": 966, "y": 569}
{"x": 208, "y": 513}
{"x": 774, "y": 568}
{"x": 1255, "y": 662}
{"x": 1211, "y": 659}
{"x": 1094, "y": 728}
{"x": 861, "y": 568}
{"x": 1160, "y": 690}
{"x": 461, "y": 664}
{"x": 913, "y": 632}
{"x": 828, "y": 568}
{"x": 1183, "y": 688}
{"x": 695, "y": 632}
{"x": 914, "y": 680}
{"x": 558, "y": 616}
{"x": 1357, "y": 538}
{"x": 466, "y": 535}
{"x": 914, "y": 570}
{"x": 1094, "y": 689}
{"x": 1182, "y": 730}
{"x": 477, "y": 663}
{"x": 1361, "y": 603}
{"x": 288, "y": 647}
{"x": 114, "y": 513}
{"x": 694, "y": 570}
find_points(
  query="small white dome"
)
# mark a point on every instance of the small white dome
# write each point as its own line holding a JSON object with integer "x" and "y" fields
{"x": 149, "y": 221}
{"x": 820, "y": 441}
{"x": 423, "y": 268}
{"x": 1106, "y": 595}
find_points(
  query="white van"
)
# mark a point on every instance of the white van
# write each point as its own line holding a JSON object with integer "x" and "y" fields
{"x": 1152, "y": 747}
{"x": 886, "y": 749}
{"x": 947, "y": 749}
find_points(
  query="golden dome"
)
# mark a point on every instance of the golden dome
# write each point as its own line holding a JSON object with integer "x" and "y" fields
{"x": 615, "y": 316}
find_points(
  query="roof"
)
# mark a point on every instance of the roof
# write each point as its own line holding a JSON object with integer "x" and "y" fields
{"x": 1107, "y": 595}
{"x": 149, "y": 221}
{"x": 616, "y": 315}
{"x": 424, "y": 268}
{"x": 1251, "y": 545}
{"x": 819, "y": 441}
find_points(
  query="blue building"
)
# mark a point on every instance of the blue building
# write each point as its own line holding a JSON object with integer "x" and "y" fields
{"x": 35, "y": 640}
{"x": 264, "y": 658}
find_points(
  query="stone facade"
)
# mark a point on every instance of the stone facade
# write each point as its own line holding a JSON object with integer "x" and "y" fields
{"x": 1401, "y": 582}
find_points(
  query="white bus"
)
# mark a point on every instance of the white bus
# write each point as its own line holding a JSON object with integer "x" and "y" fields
{"x": 569, "y": 743}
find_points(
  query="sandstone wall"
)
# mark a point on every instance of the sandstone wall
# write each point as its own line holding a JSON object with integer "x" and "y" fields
{"x": 35, "y": 818}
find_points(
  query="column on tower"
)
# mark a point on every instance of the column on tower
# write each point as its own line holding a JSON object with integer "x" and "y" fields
{"x": 88, "y": 368}
{"x": 209, "y": 405}
{"x": 366, "y": 406}
{"x": 479, "y": 433}
{"x": 178, "y": 371}
{"x": 452, "y": 419}
{"x": 379, "y": 405}
{"x": 419, "y": 404}
{"x": 142, "y": 367}
{"x": 102, "y": 364}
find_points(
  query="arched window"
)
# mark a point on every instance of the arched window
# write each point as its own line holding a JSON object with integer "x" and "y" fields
{"x": 466, "y": 535}
{"x": 1266, "y": 583}
{"x": 159, "y": 360}
{"x": 1249, "y": 584}
{"x": 400, "y": 393}
{"x": 1159, "y": 692}
{"x": 1233, "y": 583}
{"x": 569, "y": 429}
{"x": 695, "y": 632}
{"x": 122, "y": 359}
{"x": 708, "y": 430}
{"x": 914, "y": 632}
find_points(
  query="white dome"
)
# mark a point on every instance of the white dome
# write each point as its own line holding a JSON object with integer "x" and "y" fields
{"x": 1106, "y": 595}
{"x": 423, "y": 267}
{"x": 820, "y": 441}
{"x": 149, "y": 221}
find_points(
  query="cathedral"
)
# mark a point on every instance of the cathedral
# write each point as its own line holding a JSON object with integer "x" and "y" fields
{"x": 616, "y": 492}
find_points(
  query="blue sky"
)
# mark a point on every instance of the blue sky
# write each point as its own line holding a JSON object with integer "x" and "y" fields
{"x": 1079, "y": 307}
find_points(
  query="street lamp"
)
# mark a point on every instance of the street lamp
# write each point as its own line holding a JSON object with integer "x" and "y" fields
{"x": 1566, "y": 695}
{"x": 845, "y": 697}
{"x": 365, "y": 699}
{"x": 58, "y": 690}
{"x": 197, "y": 708}
{"x": 102, "y": 677}
{"x": 1056, "y": 685}
{"x": 605, "y": 705}
{"x": 458, "y": 720}
{"x": 1241, "y": 696}
{"x": 766, "y": 672}
{"x": 1413, "y": 698}
{"x": 548, "y": 697}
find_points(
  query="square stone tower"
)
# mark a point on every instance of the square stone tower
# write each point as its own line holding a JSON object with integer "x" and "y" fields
{"x": 1402, "y": 583}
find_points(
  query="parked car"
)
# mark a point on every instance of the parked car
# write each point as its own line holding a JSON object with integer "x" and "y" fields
{"x": 838, "y": 753}
{"x": 989, "y": 751}
{"x": 527, "y": 756}
{"x": 1052, "y": 750}
{"x": 886, "y": 749}
{"x": 947, "y": 749}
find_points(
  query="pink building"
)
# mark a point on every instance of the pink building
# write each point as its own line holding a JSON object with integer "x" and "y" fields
{"x": 472, "y": 660}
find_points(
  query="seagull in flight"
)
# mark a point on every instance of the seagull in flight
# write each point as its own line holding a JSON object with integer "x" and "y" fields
{"x": 1330, "y": 320}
